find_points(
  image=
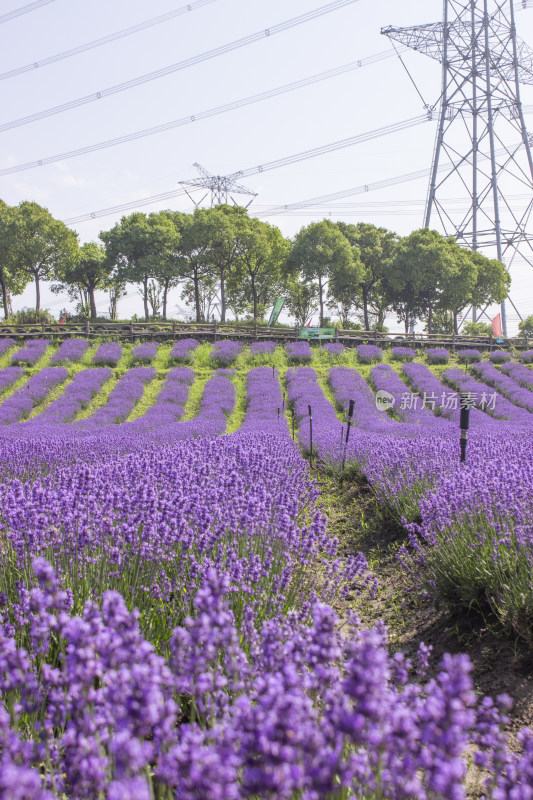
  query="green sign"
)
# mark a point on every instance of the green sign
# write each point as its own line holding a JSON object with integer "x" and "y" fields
{"x": 316, "y": 333}
{"x": 276, "y": 311}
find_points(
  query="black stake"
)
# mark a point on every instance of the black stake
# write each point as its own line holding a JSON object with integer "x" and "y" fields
{"x": 273, "y": 373}
{"x": 292, "y": 414}
{"x": 310, "y": 436}
{"x": 464, "y": 422}
{"x": 350, "y": 417}
{"x": 278, "y": 414}
{"x": 283, "y": 405}
{"x": 342, "y": 440}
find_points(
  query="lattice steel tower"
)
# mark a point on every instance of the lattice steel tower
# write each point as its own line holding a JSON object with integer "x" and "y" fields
{"x": 482, "y": 154}
{"x": 220, "y": 186}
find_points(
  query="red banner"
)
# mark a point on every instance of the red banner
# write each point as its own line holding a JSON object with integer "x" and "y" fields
{"x": 497, "y": 326}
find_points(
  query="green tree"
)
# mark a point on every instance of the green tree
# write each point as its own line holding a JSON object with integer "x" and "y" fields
{"x": 421, "y": 265}
{"x": 12, "y": 280}
{"x": 42, "y": 246}
{"x": 301, "y": 299}
{"x": 319, "y": 251}
{"x": 375, "y": 248}
{"x": 90, "y": 272}
{"x": 257, "y": 277}
{"x": 194, "y": 266}
{"x": 225, "y": 228}
{"x": 137, "y": 245}
{"x": 526, "y": 326}
{"x": 493, "y": 280}
{"x": 477, "y": 329}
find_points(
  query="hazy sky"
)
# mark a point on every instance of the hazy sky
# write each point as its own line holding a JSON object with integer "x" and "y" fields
{"x": 372, "y": 96}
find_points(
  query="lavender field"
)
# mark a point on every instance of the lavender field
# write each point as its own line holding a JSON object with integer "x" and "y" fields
{"x": 179, "y": 615}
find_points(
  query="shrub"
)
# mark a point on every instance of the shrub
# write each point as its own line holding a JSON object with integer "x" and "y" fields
{"x": 403, "y": 353}
{"x": 499, "y": 357}
{"x": 369, "y": 353}
{"x": 299, "y": 352}
{"x": 437, "y": 355}
{"x": 469, "y": 356}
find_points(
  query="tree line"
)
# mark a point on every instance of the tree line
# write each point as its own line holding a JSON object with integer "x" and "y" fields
{"x": 222, "y": 258}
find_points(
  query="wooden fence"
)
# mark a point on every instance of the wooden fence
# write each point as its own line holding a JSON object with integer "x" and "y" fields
{"x": 133, "y": 331}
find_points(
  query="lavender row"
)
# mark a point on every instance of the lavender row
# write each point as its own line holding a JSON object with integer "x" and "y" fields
{"x": 76, "y": 396}
{"x": 519, "y": 373}
{"x": 505, "y": 385}
{"x": 487, "y": 398}
{"x": 123, "y": 397}
{"x": 170, "y": 402}
{"x": 225, "y": 352}
{"x": 299, "y": 352}
{"x": 265, "y": 411}
{"x": 31, "y": 353}
{"x": 144, "y": 353}
{"x": 70, "y": 351}
{"x": 9, "y": 376}
{"x": 183, "y": 349}
{"x": 21, "y": 402}
{"x": 5, "y": 345}
{"x": 108, "y": 354}
{"x": 404, "y": 403}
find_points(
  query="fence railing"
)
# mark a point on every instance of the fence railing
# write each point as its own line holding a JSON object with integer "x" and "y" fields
{"x": 254, "y": 332}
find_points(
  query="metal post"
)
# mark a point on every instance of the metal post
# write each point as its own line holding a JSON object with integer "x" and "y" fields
{"x": 292, "y": 415}
{"x": 348, "y": 428}
{"x": 310, "y": 436}
{"x": 464, "y": 423}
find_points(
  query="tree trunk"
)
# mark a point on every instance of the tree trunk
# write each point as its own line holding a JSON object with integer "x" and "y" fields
{"x": 406, "y": 323}
{"x": 37, "y": 292}
{"x": 365, "y": 309}
{"x": 92, "y": 302}
{"x": 196, "y": 282}
{"x": 165, "y": 294}
{"x": 145, "y": 293}
{"x": 430, "y": 318}
{"x": 5, "y": 301}
{"x": 222, "y": 297}
{"x": 254, "y": 294}
{"x": 321, "y": 300}
{"x": 455, "y": 325}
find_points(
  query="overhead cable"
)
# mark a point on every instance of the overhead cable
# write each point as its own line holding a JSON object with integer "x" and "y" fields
{"x": 18, "y": 12}
{"x": 82, "y": 48}
{"x": 188, "y": 62}
{"x": 268, "y": 165}
{"x": 192, "y": 118}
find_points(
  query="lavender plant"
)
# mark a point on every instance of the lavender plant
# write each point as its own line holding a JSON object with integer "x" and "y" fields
{"x": 70, "y": 351}
{"x": 299, "y": 352}
{"x": 108, "y": 354}
{"x": 6, "y": 344}
{"x": 20, "y": 403}
{"x": 183, "y": 350}
{"x": 436, "y": 355}
{"x": 225, "y": 352}
{"x": 31, "y": 353}
{"x": 369, "y": 353}
{"x": 469, "y": 356}
{"x": 499, "y": 357}
{"x": 144, "y": 353}
{"x": 403, "y": 354}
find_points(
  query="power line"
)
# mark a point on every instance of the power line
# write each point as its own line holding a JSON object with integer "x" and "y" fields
{"x": 188, "y": 62}
{"x": 18, "y": 12}
{"x": 191, "y": 118}
{"x": 260, "y": 168}
{"x": 44, "y": 62}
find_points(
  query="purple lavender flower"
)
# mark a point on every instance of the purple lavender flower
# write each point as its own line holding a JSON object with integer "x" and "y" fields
{"x": 19, "y": 405}
{"x": 369, "y": 353}
{"x": 76, "y": 396}
{"x": 436, "y": 355}
{"x": 123, "y": 398}
{"x": 225, "y": 352}
{"x": 334, "y": 349}
{"x": 469, "y": 356}
{"x": 299, "y": 352}
{"x": 108, "y": 355}
{"x": 262, "y": 348}
{"x": 70, "y": 351}
{"x": 527, "y": 356}
{"x": 403, "y": 354}
{"x": 183, "y": 350}
{"x": 144, "y": 353}
{"x": 5, "y": 345}
{"x": 9, "y": 376}
{"x": 31, "y": 353}
{"x": 499, "y": 357}
{"x": 519, "y": 373}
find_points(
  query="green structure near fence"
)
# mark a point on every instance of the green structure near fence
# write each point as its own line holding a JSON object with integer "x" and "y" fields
{"x": 316, "y": 333}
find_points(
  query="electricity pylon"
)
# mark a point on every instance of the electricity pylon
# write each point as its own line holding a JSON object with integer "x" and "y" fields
{"x": 482, "y": 150}
{"x": 220, "y": 187}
